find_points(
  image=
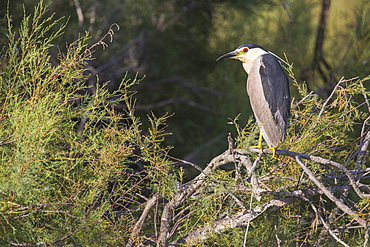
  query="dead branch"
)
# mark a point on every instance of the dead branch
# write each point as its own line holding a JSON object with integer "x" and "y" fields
{"x": 149, "y": 204}
{"x": 319, "y": 160}
{"x": 243, "y": 217}
{"x": 327, "y": 100}
{"x": 326, "y": 225}
{"x": 190, "y": 188}
{"x": 364, "y": 145}
{"x": 337, "y": 202}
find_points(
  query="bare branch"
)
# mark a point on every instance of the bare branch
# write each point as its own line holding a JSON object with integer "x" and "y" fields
{"x": 189, "y": 189}
{"x": 319, "y": 160}
{"x": 327, "y": 100}
{"x": 365, "y": 96}
{"x": 243, "y": 217}
{"x": 6, "y": 140}
{"x": 82, "y": 224}
{"x": 303, "y": 99}
{"x": 248, "y": 224}
{"x": 238, "y": 219}
{"x": 326, "y": 225}
{"x": 337, "y": 202}
{"x": 366, "y": 237}
{"x": 138, "y": 225}
{"x": 364, "y": 144}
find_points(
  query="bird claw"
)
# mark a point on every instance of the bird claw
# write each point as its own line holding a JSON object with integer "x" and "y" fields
{"x": 274, "y": 153}
{"x": 274, "y": 156}
{"x": 258, "y": 147}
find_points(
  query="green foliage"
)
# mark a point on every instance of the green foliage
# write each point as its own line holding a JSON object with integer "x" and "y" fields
{"x": 60, "y": 182}
{"x": 326, "y": 127}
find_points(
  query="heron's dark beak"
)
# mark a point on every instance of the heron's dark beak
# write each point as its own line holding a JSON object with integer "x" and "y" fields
{"x": 229, "y": 55}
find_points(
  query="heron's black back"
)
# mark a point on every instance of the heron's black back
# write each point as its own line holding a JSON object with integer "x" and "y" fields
{"x": 275, "y": 86}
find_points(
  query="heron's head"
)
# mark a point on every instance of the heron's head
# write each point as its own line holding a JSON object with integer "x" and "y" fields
{"x": 247, "y": 54}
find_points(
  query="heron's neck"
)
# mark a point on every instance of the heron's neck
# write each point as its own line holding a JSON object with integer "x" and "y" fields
{"x": 249, "y": 60}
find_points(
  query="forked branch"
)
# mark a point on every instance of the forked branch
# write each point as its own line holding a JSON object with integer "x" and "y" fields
{"x": 244, "y": 217}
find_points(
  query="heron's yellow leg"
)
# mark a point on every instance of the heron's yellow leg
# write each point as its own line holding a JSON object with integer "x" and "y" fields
{"x": 259, "y": 146}
{"x": 274, "y": 153}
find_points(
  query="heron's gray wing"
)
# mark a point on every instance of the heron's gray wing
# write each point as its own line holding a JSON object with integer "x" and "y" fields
{"x": 275, "y": 86}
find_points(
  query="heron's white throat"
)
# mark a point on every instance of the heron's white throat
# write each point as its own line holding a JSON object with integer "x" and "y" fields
{"x": 250, "y": 57}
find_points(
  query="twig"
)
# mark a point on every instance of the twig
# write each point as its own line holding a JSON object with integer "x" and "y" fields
{"x": 364, "y": 144}
{"x": 327, "y": 227}
{"x": 179, "y": 221}
{"x": 247, "y": 229}
{"x": 240, "y": 204}
{"x": 326, "y": 102}
{"x": 337, "y": 202}
{"x": 5, "y": 140}
{"x": 238, "y": 219}
{"x": 244, "y": 218}
{"x": 252, "y": 178}
{"x": 319, "y": 160}
{"x": 251, "y": 170}
{"x": 318, "y": 51}
{"x": 366, "y": 237}
{"x": 184, "y": 161}
{"x": 278, "y": 240}
{"x": 310, "y": 191}
{"x": 139, "y": 223}
{"x": 303, "y": 99}
{"x": 190, "y": 188}
{"x": 71, "y": 232}
{"x": 365, "y": 96}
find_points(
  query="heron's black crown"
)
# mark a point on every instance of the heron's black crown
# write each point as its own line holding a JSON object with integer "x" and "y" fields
{"x": 251, "y": 46}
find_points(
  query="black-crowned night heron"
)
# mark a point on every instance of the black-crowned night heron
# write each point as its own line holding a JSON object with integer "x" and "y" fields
{"x": 268, "y": 90}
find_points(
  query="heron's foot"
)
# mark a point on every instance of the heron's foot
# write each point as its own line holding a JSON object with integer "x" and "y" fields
{"x": 258, "y": 147}
{"x": 274, "y": 153}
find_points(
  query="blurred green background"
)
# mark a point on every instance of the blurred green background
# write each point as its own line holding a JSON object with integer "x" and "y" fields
{"x": 174, "y": 44}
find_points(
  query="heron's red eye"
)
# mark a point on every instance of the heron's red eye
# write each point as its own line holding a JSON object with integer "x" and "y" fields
{"x": 245, "y": 49}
